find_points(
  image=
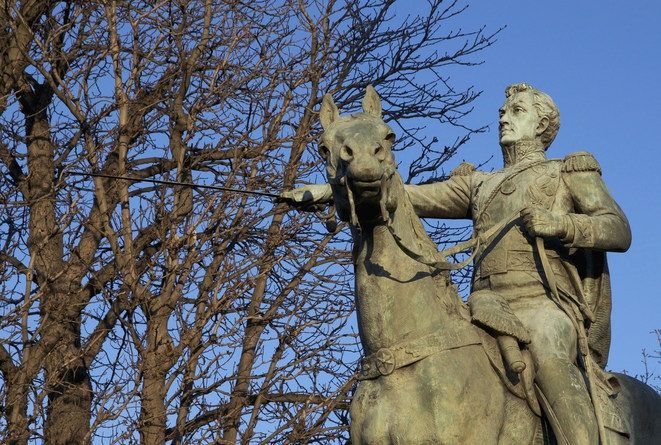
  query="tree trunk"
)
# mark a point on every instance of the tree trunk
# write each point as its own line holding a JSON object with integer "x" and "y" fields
{"x": 158, "y": 359}
{"x": 16, "y": 410}
{"x": 67, "y": 381}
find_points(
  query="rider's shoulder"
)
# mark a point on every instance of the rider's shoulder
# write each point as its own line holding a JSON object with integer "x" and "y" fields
{"x": 464, "y": 169}
{"x": 580, "y": 161}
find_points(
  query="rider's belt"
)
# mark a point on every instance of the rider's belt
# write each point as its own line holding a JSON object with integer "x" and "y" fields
{"x": 386, "y": 360}
{"x": 502, "y": 261}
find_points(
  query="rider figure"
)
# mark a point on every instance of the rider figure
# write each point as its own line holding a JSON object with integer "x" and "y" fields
{"x": 559, "y": 209}
{"x": 564, "y": 202}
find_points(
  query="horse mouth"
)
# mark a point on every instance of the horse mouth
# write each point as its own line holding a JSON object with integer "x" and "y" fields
{"x": 367, "y": 189}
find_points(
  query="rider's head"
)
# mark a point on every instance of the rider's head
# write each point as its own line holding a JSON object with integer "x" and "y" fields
{"x": 528, "y": 114}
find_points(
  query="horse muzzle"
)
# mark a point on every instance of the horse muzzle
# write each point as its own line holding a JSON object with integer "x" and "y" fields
{"x": 366, "y": 189}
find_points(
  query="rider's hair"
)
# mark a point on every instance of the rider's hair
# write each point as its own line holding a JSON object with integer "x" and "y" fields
{"x": 545, "y": 108}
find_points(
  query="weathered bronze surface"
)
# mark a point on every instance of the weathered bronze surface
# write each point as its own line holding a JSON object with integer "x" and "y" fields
{"x": 540, "y": 324}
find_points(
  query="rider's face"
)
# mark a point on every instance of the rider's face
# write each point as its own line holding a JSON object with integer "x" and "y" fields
{"x": 518, "y": 119}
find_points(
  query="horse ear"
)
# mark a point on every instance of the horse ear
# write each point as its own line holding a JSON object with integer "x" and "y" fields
{"x": 372, "y": 103}
{"x": 328, "y": 112}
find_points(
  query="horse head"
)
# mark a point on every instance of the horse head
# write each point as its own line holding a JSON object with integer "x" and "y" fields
{"x": 360, "y": 164}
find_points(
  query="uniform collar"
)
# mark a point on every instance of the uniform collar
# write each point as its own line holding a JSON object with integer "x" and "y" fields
{"x": 523, "y": 151}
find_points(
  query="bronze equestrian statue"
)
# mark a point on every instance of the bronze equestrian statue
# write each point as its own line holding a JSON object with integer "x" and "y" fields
{"x": 528, "y": 351}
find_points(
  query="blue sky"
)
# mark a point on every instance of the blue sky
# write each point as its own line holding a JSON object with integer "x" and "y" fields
{"x": 600, "y": 62}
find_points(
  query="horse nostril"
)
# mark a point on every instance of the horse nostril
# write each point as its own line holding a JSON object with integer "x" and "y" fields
{"x": 346, "y": 153}
{"x": 378, "y": 150}
{"x": 324, "y": 152}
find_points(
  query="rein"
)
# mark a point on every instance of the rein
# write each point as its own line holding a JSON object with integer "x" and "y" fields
{"x": 438, "y": 259}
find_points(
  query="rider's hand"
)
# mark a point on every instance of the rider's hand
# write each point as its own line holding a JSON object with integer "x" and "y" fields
{"x": 309, "y": 198}
{"x": 540, "y": 222}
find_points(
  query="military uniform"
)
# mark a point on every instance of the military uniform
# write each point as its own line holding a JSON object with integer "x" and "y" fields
{"x": 510, "y": 265}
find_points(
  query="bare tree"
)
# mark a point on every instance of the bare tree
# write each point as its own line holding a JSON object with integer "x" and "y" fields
{"x": 154, "y": 313}
{"x": 649, "y": 376}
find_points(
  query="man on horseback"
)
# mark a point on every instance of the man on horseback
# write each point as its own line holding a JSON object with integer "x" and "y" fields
{"x": 548, "y": 224}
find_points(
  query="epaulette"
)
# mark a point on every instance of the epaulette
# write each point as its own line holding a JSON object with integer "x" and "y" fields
{"x": 581, "y": 161}
{"x": 464, "y": 169}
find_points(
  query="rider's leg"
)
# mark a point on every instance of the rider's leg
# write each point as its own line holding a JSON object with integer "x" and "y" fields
{"x": 554, "y": 350}
{"x": 563, "y": 387}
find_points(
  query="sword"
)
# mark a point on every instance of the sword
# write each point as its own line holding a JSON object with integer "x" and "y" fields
{"x": 329, "y": 219}
{"x": 184, "y": 184}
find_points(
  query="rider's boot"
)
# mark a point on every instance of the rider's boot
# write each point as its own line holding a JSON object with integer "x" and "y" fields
{"x": 572, "y": 413}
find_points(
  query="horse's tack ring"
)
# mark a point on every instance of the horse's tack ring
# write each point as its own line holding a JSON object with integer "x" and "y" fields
{"x": 385, "y": 361}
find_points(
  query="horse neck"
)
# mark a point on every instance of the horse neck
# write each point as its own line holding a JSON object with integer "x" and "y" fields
{"x": 397, "y": 297}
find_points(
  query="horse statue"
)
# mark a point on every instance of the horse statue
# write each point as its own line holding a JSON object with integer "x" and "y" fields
{"x": 428, "y": 376}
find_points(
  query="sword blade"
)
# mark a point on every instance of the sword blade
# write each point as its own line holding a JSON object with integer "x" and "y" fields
{"x": 184, "y": 184}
